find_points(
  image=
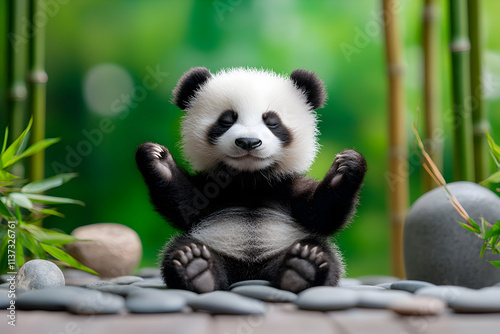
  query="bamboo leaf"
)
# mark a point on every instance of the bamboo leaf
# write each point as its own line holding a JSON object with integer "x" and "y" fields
{"x": 50, "y": 237}
{"x": 21, "y": 199}
{"x": 4, "y": 210}
{"x": 495, "y": 263}
{"x": 493, "y": 178}
{"x": 493, "y": 231}
{"x": 52, "y": 212}
{"x": 495, "y": 149}
{"x": 483, "y": 249}
{"x": 36, "y": 147}
{"x": 66, "y": 258}
{"x": 3, "y": 247}
{"x": 32, "y": 244}
{"x": 13, "y": 149}
{"x": 6, "y": 176}
{"x": 468, "y": 228}
{"x": 474, "y": 225}
{"x": 53, "y": 200}
{"x": 49, "y": 183}
{"x": 6, "y": 136}
{"x": 19, "y": 250}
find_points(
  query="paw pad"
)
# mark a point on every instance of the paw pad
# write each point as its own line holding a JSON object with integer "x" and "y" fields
{"x": 193, "y": 263}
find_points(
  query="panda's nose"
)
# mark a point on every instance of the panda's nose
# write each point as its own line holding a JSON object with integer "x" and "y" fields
{"x": 248, "y": 143}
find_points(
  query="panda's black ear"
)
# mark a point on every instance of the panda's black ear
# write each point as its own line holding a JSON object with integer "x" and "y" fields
{"x": 311, "y": 85}
{"x": 188, "y": 84}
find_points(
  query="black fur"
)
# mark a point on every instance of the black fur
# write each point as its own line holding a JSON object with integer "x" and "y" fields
{"x": 188, "y": 84}
{"x": 273, "y": 122}
{"x": 312, "y": 86}
{"x": 322, "y": 208}
{"x": 224, "y": 123}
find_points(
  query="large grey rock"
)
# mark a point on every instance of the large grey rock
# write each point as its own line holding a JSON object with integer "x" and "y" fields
{"x": 115, "y": 250}
{"x": 155, "y": 301}
{"x": 438, "y": 250}
{"x": 39, "y": 274}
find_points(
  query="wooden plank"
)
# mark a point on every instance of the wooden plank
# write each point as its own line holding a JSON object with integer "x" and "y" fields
{"x": 456, "y": 324}
{"x": 369, "y": 321}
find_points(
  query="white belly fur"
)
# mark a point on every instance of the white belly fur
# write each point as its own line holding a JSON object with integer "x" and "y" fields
{"x": 249, "y": 235}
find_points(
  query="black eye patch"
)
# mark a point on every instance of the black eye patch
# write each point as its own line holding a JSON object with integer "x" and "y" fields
{"x": 274, "y": 124}
{"x": 224, "y": 122}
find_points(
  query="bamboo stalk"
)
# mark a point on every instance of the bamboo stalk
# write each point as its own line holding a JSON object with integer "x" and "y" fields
{"x": 479, "y": 112}
{"x": 16, "y": 70}
{"x": 463, "y": 160}
{"x": 37, "y": 81}
{"x": 398, "y": 150}
{"x": 431, "y": 88}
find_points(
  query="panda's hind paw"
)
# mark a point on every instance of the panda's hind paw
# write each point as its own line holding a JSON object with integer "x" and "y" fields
{"x": 194, "y": 264}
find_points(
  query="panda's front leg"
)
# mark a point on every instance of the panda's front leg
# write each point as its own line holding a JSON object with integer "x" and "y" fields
{"x": 334, "y": 200}
{"x": 170, "y": 188}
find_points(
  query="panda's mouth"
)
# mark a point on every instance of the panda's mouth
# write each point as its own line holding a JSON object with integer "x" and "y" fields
{"x": 248, "y": 157}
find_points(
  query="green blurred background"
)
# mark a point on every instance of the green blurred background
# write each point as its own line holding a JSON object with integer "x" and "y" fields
{"x": 100, "y": 52}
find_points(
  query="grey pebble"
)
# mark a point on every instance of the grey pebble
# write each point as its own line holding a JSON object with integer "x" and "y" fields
{"x": 410, "y": 285}
{"x": 4, "y": 278}
{"x": 365, "y": 288}
{"x": 418, "y": 306}
{"x": 76, "y": 273}
{"x": 326, "y": 298}
{"x": 122, "y": 290}
{"x": 377, "y": 279}
{"x": 149, "y": 272}
{"x": 224, "y": 302}
{"x": 5, "y": 299}
{"x": 250, "y": 282}
{"x": 155, "y": 301}
{"x": 477, "y": 301}
{"x": 381, "y": 299}
{"x": 265, "y": 293}
{"x": 446, "y": 293}
{"x": 97, "y": 284}
{"x": 386, "y": 286}
{"x": 345, "y": 282}
{"x": 98, "y": 303}
{"x": 125, "y": 280}
{"x": 53, "y": 299}
{"x": 39, "y": 274}
{"x": 157, "y": 283}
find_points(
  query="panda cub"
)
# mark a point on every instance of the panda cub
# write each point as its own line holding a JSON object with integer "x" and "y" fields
{"x": 249, "y": 212}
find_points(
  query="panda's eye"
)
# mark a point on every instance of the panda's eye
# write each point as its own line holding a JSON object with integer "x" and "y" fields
{"x": 271, "y": 120}
{"x": 228, "y": 118}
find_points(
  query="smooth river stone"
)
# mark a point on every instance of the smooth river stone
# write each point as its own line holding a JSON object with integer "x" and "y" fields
{"x": 125, "y": 280}
{"x": 149, "y": 272}
{"x": 99, "y": 303}
{"x": 39, "y": 274}
{"x": 122, "y": 290}
{"x": 265, "y": 293}
{"x": 381, "y": 299}
{"x": 477, "y": 301}
{"x": 346, "y": 282}
{"x": 446, "y": 293}
{"x": 410, "y": 285}
{"x": 326, "y": 298}
{"x": 365, "y": 288}
{"x": 250, "y": 282}
{"x": 418, "y": 306}
{"x": 224, "y": 302}
{"x": 377, "y": 279}
{"x": 156, "y": 283}
{"x": 155, "y": 301}
{"x": 53, "y": 299}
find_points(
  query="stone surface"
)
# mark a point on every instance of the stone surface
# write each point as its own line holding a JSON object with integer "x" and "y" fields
{"x": 122, "y": 290}
{"x": 377, "y": 279}
{"x": 39, "y": 274}
{"x": 365, "y": 288}
{"x": 98, "y": 303}
{"x": 149, "y": 272}
{"x": 385, "y": 285}
{"x": 446, "y": 293}
{"x": 223, "y": 302}
{"x": 5, "y": 299}
{"x": 250, "y": 282}
{"x": 155, "y": 301}
{"x": 156, "y": 283}
{"x": 95, "y": 285}
{"x": 53, "y": 299}
{"x": 477, "y": 301}
{"x": 410, "y": 285}
{"x": 344, "y": 282}
{"x": 115, "y": 250}
{"x": 381, "y": 299}
{"x": 438, "y": 250}
{"x": 325, "y": 298}
{"x": 265, "y": 293}
{"x": 418, "y": 306}
{"x": 125, "y": 280}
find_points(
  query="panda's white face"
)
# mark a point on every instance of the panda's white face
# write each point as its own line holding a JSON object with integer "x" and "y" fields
{"x": 250, "y": 120}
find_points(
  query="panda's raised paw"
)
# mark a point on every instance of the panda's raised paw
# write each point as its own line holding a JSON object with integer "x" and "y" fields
{"x": 348, "y": 163}
{"x": 154, "y": 158}
{"x": 193, "y": 263}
